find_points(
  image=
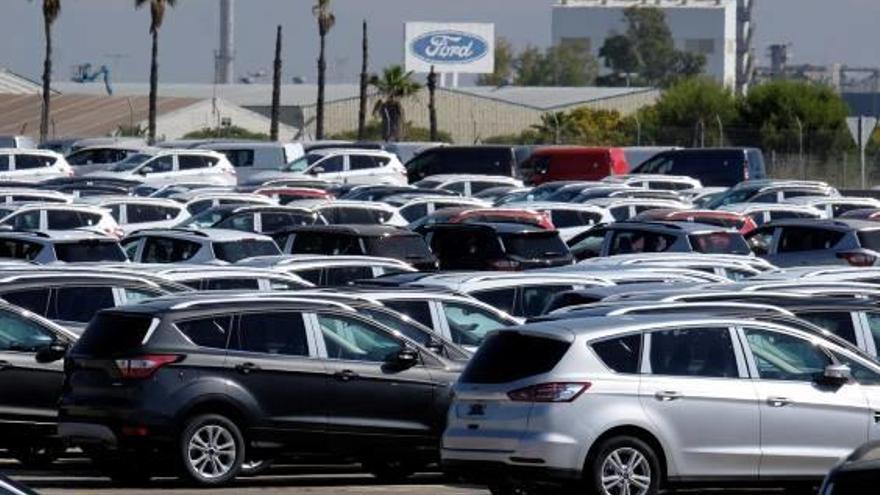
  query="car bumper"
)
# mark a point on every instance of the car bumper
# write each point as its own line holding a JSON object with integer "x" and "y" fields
{"x": 488, "y": 472}
{"x": 530, "y": 451}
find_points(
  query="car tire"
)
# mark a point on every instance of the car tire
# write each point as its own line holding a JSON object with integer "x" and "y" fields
{"x": 211, "y": 450}
{"x": 390, "y": 470}
{"x": 36, "y": 456}
{"x": 624, "y": 460}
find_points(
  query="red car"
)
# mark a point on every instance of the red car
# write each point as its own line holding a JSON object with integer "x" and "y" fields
{"x": 742, "y": 223}
{"x": 573, "y": 163}
{"x": 285, "y": 195}
{"x": 467, "y": 214}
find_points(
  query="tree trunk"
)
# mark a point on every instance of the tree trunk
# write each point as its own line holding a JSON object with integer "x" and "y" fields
{"x": 47, "y": 82}
{"x": 432, "y": 104}
{"x": 276, "y": 89}
{"x": 154, "y": 89}
{"x": 395, "y": 112}
{"x": 362, "y": 111}
{"x": 322, "y": 69}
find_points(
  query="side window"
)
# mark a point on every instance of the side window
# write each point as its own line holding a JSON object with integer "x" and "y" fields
{"x": 79, "y": 304}
{"x": 590, "y": 245}
{"x": 136, "y": 295}
{"x": 10, "y": 248}
{"x": 621, "y": 355}
{"x": 231, "y": 284}
{"x": 243, "y": 222}
{"x": 768, "y": 197}
{"x": 312, "y": 276}
{"x": 28, "y": 220}
{"x": 130, "y": 247}
{"x": 456, "y": 187}
{"x": 795, "y": 239}
{"x": 191, "y": 162}
{"x": 480, "y": 186}
{"x": 27, "y": 162}
{"x": 335, "y": 277}
{"x": 783, "y": 357}
{"x": 573, "y": 218}
{"x": 536, "y": 298}
{"x": 501, "y": 299}
{"x": 696, "y": 352}
{"x": 164, "y": 250}
{"x": 414, "y": 212}
{"x": 620, "y": 213}
{"x": 18, "y": 334}
{"x": 158, "y": 165}
{"x": 239, "y": 158}
{"x": 626, "y": 242}
{"x": 761, "y": 240}
{"x": 4, "y": 163}
{"x": 419, "y": 311}
{"x": 468, "y": 325}
{"x": 839, "y": 323}
{"x": 67, "y": 220}
{"x": 211, "y": 332}
{"x": 874, "y": 328}
{"x": 138, "y": 213}
{"x": 331, "y": 165}
{"x": 361, "y": 162}
{"x": 115, "y": 211}
{"x": 862, "y": 374}
{"x": 36, "y": 300}
{"x": 281, "y": 334}
{"x": 277, "y": 221}
{"x": 353, "y": 340}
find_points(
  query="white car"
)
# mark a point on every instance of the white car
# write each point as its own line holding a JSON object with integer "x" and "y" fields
{"x": 467, "y": 185}
{"x": 347, "y": 166}
{"x": 61, "y": 217}
{"x": 100, "y": 158}
{"x": 570, "y": 219}
{"x": 160, "y": 167}
{"x": 354, "y": 212}
{"x": 415, "y": 208}
{"x": 27, "y": 195}
{"x": 27, "y": 165}
{"x": 833, "y": 207}
{"x": 133, "y": 213}
{"x": 653, "y": 181}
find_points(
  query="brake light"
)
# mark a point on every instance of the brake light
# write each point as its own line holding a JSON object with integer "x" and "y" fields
{"x": 550, "y": 392}
{"x": 545, "y": 221}
{"x": 505, "y": 265}
{"x": 858, "y": 259}
{"x": 143, "y": 367}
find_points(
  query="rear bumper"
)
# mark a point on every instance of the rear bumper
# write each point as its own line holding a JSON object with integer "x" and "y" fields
{"x": 489, "y": 472}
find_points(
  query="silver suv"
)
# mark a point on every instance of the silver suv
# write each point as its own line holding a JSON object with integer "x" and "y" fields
{"x": 627, "y": 405}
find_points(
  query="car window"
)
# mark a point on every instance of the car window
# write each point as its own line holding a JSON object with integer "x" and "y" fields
{"x": 68, "y": 220}
{"x": 239, "y": 158}
{"x": 139, "y": 213}
{"x": 874, "y": 328}
{"x": 18, "y": 334}
{"x": 535, "y": 298}
{"x": 693, "y": 352}
{"x": 277, "y": 221}
{"x": 720, "y": 243}
{"x": 164, "y": 163}
{"x": 635, "y": 241}
{"x": 589, "y": 245}
{"x": 329, "y": 244}
{"x": 361, "y": 162}
{"x": 353, "y": 340}
{"x": 336, "y": 276}
{"x": 574, "y": 218}
{"x": 137, "y": 295}
{"x": 26, "y": 162}
{"x": 534, "y": 246}
{"x": 767, "y": 197}
{"x": 79, "y": 304}
{"x": 130, "y": 248}
{"x": 312, "y": 276}
{"x": 862, "y": 374}
{"x": 469, "y": 324}
{"x": 4, "y": 163}
{"x": 501, "y": 299}
{"x": 839, "y": 323}
{"x": 621, "y": 354}
{"x": 246, "y": 248}
{"x": 15, "y": 249}
{"x": 780, "y": 356}
{"x": 211, "y": 332}
{"x": 419, "y": 311}
{"x": 479, "y": 186}
{"x": 330, "y": 165}
{"x": 190, "y": 162}
{"x": 795, "y": 239}
{"x": 231, "y": 284}
{"x": 36, "y": 300}
{"x": 28, "y": 220}
{"x": 282, "y": 333}
{"x": 355, "y": 215}
{"x": 620, "y": 213}
{"x": 761, "y": 240}
{"x": 414, "y": 212}
{"x": 456, "y": 187}
{"x": 243, "y": 222}
{"x": 89, "y": 251}
{"x": 166, "y": 250}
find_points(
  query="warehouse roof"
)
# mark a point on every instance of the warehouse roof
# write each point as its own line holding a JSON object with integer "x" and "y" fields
{"x": 12, "y": 83}
{"x": 547, "y": 98}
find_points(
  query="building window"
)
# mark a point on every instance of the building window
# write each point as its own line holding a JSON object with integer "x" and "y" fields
{"x": 702, "y": 46}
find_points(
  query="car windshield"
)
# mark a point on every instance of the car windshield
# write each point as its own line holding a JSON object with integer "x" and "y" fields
{"x": 89, "y": 251}
{"x": 403, "y": 247}
{"x": 131, "y": 163}
{"x": 204, "y": 219}
{"x": 248, "y": 248}
{"x": 534, "y": 246}
{"x": 730, "y": 197}
{"x": 302, "y": 163}
{"x": 720, "y": 243}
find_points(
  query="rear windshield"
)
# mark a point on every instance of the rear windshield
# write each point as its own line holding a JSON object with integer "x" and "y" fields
{"x": 398, "y": 247}
{"x": 535, "y": 245}
{"x": 239, "y": 250}
{"x": 81, "y": 252}
{"x": 720, "y": 243}
{"x": 113, "y": 334}
{"x": 508, "y": 356}
{"x": 870, "y": 239}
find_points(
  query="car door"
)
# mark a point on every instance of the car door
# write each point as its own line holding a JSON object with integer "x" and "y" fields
{"x": 806, "y": 427}
{"x": 373, "y": 400}
{"x": 695, "y": 391}
{"x": 30, "y": 389}
{"x": 273, "y": 358}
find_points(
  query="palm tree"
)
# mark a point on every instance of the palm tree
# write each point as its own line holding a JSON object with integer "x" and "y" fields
{"x": 394, "y": 85}
{"x": 157, "y": 15}
{"x": 51, "y": 10}
{"x": 326, "y": 21}
{"x": 557, "y": 127}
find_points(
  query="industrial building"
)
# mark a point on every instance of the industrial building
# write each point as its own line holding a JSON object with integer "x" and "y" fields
{"x": 721, "y": 30}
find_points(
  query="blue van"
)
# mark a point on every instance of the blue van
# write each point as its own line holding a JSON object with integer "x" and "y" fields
{"x": 714, "y": 167}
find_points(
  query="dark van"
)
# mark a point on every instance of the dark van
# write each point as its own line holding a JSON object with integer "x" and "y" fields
{"x": 573, "y": 163}
{"x": 714, "y": 167}
{"x": 480, "y": 160}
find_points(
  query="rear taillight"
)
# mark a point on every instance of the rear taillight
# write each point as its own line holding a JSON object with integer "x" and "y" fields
{"x": 505, "y": 265}
{"x": 858, "y": 258}
{"x": 143, "y": 367}
{"x": 550, "y": 392}
{"x": 545, "y": 221}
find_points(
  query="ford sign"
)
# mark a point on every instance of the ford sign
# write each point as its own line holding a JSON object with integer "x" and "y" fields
{"x": 449, "y": 47}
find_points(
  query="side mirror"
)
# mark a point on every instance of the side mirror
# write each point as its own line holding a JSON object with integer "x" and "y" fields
{"x": 146, "y": 170}
{"x": 435, "y": 347}
{"x": 836, "y": 374}
{"x": 51, "y": 353}
{"x": 406, "y": 358}
{"x": 316, "y": 170}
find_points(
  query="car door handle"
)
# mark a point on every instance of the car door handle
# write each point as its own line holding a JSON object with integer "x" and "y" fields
{"x": 5, "y": 365}
{"x": 668, "y": 395}
{"x": 778, "y": 401}
{"x": 345, "y": 375}
{"x": 246, "y": 368}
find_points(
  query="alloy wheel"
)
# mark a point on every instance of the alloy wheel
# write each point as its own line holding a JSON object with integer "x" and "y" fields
{"x": 626, "y": 471}
{"x": 211, "y": 451}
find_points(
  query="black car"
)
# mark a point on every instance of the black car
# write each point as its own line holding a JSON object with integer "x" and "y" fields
{"x": 496, "y": 246}
{"x": 481, "y": 160}
{"x": 714, "y": 167}
{"x": 359, "y": 240}
{"x": 856, "y": 474}
{"x": 205, "y": 383}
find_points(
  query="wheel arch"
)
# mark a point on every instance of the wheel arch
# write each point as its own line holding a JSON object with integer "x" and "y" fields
{"x": 636, "y": 432}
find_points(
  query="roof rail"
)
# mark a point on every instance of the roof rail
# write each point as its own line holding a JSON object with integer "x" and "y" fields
{"x": 696, "y": 305}
{"x": 207, "y": 302}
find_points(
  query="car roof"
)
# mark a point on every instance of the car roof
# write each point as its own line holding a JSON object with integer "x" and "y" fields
{"x": 56, "y": 235}
{"x": 834, "y": 224}
{"x": 316, "y": 260}
{"x": 496, "y": 227}
{"x": 668, "y": 225}
{"x": 361, "y": 230}
{"x": 207, "y": 234}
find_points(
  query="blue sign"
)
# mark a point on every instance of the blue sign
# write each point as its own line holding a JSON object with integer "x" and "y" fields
{"x": 449, "y": 47}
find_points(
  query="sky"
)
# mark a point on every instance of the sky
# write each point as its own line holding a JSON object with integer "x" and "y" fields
{"x": 112, "y": 32}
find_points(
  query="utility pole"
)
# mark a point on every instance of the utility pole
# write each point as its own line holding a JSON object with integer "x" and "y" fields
{"x": 276, "y": 89}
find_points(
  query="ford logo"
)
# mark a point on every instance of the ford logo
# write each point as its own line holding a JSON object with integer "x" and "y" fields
{"x": 449, "y": 47}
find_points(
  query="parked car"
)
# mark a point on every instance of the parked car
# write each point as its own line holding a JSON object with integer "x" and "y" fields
{"x": 727, "y": 219}
{"x": 558, "y": 163}
{"x": 818, "y": 242}
{"x": 32, "y": 165}
{"x": 770, "y": 191}
{"x": 133, "y": 213}
{"x": 355, "y": 212}
{"x": 74, "y": 246}
{"x": 661, "y": 182}
{"x": 762, "y": 213}
{"x": 237, "y": 415}
{"x": 571, "y": 219}
{"x": 61, "y": 217}
{"x": 413, "y": 209}
{"x": 495, "y": 246}
{"x": 331, "y": 271}
{"x": 466, "y": 184}
{"x": 349, "y": 166}
{"x": 206, "y": 246}
{"x": 481, "y": 160}
{"x": 160, "y": 167}
{"x": 252, "y": 157}
{"x": 713, "y": 167}
{"x": 853, "y": 474}
{"x": 651, "y": 386}
{"x": 100, "y": 158}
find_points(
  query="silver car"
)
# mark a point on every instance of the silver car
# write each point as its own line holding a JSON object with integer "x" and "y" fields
{"x": 627, "y": 405}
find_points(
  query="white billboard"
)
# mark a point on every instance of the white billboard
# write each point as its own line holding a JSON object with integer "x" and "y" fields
{"x": 458, "y": 48}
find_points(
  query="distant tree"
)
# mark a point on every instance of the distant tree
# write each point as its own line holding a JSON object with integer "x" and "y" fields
{"x": 157, "y": 17}
{"x": 619, "y": 53}
{"x": 691, "y": 106}
{"x": 230, "y": 132}
{"x": 393, "y": 86}
{"x": 51, "y": 11}
{"x": 598, "y": 127}
{"x": 557, "y": 128}
{"x": 529, "y": 67}
{"x": 504, "y": 62}
{"x": 374, "y": 131}
{"x": 326, "y": 20}
{"x": 565, "y": 64}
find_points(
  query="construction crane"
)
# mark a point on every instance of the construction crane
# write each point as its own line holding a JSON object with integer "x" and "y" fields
{"x": 83, "y": 74}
